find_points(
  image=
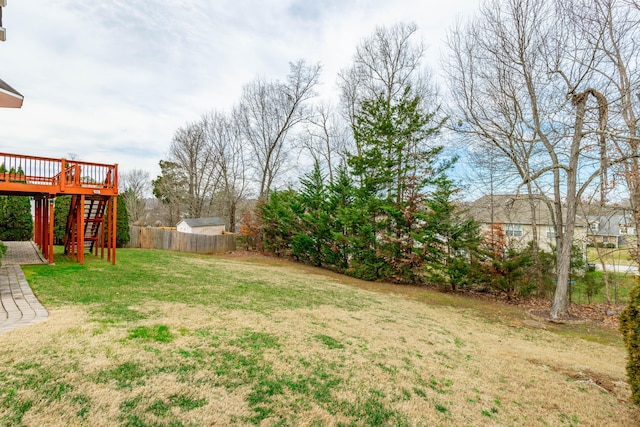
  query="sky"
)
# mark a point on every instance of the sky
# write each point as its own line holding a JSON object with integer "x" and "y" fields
{"x": 111, "y": 81}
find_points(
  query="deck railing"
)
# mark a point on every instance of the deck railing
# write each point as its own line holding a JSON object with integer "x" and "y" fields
{"x": 61, "y": 173}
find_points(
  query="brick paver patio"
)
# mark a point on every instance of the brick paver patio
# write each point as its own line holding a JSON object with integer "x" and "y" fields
{"x": 18, "y": 305}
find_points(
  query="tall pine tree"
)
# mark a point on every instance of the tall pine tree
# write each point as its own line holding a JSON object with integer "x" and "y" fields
{"x": 396, "y": 168}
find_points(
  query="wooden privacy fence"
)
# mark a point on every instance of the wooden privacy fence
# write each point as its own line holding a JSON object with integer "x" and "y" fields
{"x": 162, "y": 238}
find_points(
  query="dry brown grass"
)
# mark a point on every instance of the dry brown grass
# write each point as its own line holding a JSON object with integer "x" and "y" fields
{"x": 393, "y": 360}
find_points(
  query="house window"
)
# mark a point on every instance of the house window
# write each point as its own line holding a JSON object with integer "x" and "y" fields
{"x": 551, "y": 231}
{"x": 594, "y": 227}
{"x": 514, "y": 230}
{"x": 627, "y": 229}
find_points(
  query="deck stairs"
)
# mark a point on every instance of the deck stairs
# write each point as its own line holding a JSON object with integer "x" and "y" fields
{"x": 94, "y": 217}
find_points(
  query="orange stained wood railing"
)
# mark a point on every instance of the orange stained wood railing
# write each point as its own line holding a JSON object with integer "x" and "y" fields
{"x": 45, "y": 178}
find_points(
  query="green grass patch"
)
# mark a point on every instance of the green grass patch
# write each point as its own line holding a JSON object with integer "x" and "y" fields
{"x": 186, "y": 403}
{"x": 256, "y": 341}
{"x": 441, "y": 408}
{"x": 612, "y": 256}
{"x": 330, "y": 342}
{"x": 125, "y": 375}
{"x": 159, "y": 333}
{"x": 592, "y": 289}
{"x": 147, "y": 275}
{"x": 16, "y": 408}
{"x": 370, "y": 410}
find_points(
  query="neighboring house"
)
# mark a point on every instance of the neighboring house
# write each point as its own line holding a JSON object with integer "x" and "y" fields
{"x": 207, "y": 226}
{"x": 514, "y": 213}
{"x": 611, "y": 225}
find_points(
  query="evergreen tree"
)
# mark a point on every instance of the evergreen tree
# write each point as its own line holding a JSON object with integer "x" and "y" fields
{"x": 449, "y": 241}
{"x": 396, "y": 168}
{"x": 170, "y": 188}
{"x": 340, "y": 198}
{"x": 16, "y": 222}
{"x": 281, "y": 221}
{"x": 122, "y": 222}
{"x": 312, "y": 243}
{"x": 60, "y": 215}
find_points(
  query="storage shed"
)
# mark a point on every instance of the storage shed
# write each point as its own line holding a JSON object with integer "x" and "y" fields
{"x": 207, "y": 226}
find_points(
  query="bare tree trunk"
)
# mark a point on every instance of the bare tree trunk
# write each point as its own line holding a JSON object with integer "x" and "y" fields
{"x": 560, "y": 306}
{"x": 605, "y": 275}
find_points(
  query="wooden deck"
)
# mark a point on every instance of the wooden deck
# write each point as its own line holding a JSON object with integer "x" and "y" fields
{"x": 32, "y": 175}
{"x": 44, "y": 179}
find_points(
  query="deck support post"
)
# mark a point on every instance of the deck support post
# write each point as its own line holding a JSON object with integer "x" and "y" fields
{"x": 81, "y": 232}
{"x": 37, "y": 226}
{"x": 50, "y": 229}
{"x": 111, "y": 233}
{"x": 115, "y": 219}
{"x": 43, "y": 179}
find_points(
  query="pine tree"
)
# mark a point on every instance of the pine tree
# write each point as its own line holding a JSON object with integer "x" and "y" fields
{"x": 16, "y": 222}
{"x": 281, "y": 221}
{"x": 396, "y": 167}
{"x": 122, "y": 223}
{"x": 313, "y": 241}
{"x": 60, "y": 215}
{"x": 340, "y": 198}
{"x": 449, "y": 240}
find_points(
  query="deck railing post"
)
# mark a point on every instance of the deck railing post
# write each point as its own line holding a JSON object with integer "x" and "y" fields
{"x": 115, "y": 177}
{"x": 63, "y": 175}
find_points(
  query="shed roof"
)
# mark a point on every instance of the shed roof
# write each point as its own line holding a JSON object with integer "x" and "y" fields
{"x": 203, "y": 222}
{"x": 9, "y": 97}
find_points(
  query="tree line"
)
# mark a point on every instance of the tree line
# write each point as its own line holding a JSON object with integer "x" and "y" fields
{"x": 388, "y": 214}
{"x": 544, "y": 89}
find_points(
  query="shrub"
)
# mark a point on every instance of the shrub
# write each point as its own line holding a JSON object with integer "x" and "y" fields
{"x": 606, "y": 245}
{"x": 3, "y": 249}
{"x": 250, "y": 233}
{"x": 630, "y": 328}
{"x": 592, "y": 283}
{"x": 509, "y": 274}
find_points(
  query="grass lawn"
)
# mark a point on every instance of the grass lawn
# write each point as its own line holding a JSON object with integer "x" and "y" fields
{"x": 174, "y": 339}
{"x": 611, "y": 256}
{"x": 620, "y": 284}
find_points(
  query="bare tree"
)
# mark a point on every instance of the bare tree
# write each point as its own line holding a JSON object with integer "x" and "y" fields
{"x": 267, "y": 113}
{"x": 490, "y": 95}
{"x": 231, "y": 165}
{"x": 521, "y": 74}
{"x": 385, "y": 65}
{"x": 135, "y": 185}
{"x": 192, "y": 153}
{"x": 613, "y": 26}
{"x": 325, "y": 138}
